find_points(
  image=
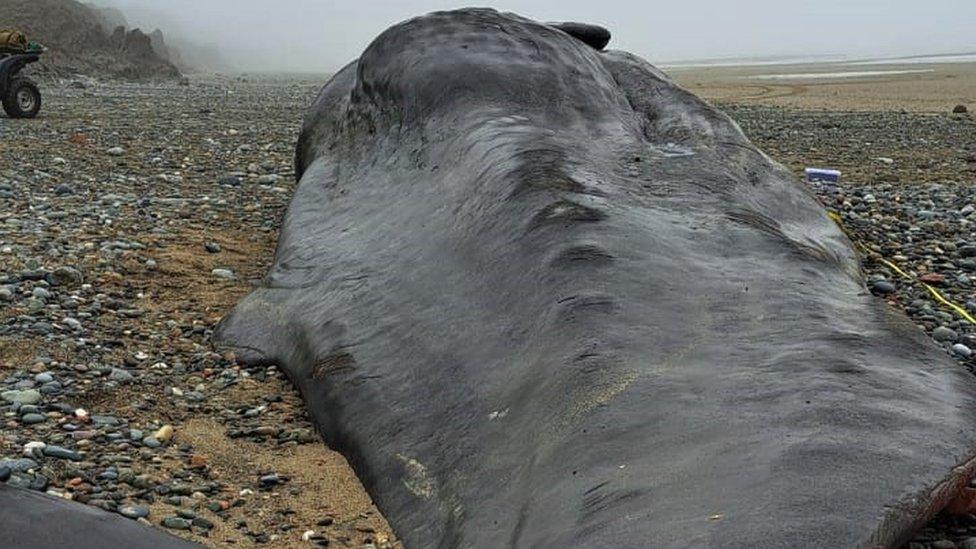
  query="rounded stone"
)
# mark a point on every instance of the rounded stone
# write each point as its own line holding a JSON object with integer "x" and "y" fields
{"x": 134, "y": 511}
{"x": 962, "y": 350}
{"x": 27, "y": 396}
{"x": 176, "y": 523}
{"x": 31, "y": 419}
{"x": 883, "y": 287}
{"x": 944, "y": 334}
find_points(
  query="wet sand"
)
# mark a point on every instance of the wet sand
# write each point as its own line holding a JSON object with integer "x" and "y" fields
{"x": 939, "y": 88}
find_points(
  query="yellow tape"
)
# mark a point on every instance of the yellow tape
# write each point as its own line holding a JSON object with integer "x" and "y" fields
{"x": 935, "y": 293}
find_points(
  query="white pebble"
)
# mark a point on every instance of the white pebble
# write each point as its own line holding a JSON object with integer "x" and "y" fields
{"x": 962, "y": 350}
{"x": 33, "y": 447}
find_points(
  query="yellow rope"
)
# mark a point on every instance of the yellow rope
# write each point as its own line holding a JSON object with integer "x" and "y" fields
{"x": 935, "y": 293}
{"x": 962, "y": 312}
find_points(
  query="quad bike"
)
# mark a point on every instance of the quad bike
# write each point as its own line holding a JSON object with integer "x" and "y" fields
{"x": 20, "y": 96}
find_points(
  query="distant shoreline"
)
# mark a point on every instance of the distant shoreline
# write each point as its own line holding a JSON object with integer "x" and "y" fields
{"x": 915, "y": 84}
{"x": 935, "y": 58}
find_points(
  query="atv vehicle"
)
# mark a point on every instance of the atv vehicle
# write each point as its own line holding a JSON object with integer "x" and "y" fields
{"x": 20, "y": 96}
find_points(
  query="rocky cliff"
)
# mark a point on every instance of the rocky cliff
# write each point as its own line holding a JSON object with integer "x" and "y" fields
{"x": 83, "y": 40}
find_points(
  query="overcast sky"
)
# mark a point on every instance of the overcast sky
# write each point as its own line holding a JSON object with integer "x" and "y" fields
{"x": 322, "y": 35}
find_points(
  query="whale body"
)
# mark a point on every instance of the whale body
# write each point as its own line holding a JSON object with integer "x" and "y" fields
{"x": 541, "y": 296}
{"x": 34, "y": 520}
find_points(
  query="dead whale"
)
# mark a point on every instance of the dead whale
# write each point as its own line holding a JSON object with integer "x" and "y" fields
{"x": 541, "y": 296}
{"x": 32, "y": 520}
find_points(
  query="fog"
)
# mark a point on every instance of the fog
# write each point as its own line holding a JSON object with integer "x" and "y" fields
{"x": 322, "y": 35}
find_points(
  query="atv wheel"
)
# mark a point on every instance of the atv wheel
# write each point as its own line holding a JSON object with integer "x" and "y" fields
{"x": 23, "y": 99}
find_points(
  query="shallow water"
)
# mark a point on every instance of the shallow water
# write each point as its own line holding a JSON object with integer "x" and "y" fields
{"x": 947, "y": 58}
{"x": 823, "y": 60}
{"x": 843, "y": 74}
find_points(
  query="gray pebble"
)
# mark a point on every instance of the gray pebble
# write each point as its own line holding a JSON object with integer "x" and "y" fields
{"x": 63, "y": 190}
{"x": 44, "y": 377}
{"x": 64, "y": 276}
{"x": 72, "y": 323}
{"x": 27, "y": 396}
{"x": 883, "y": 287}
{"x": 962, "y": 350}
{"x": 31, "y": 419}
{"x": 19, "y": 465}
{"x": 50, "y": 388}
{"x": 61, "y": 453}
{"x": 134, "y": 511}
{"x": 106, "y": 420}
{"x": 944, "y": 334}
{"x": 176, "y": 523}
{"x": 201, "y": 522}
{"x": 120, "y": 375}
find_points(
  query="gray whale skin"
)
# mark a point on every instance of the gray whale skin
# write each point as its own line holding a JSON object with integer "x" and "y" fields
{"x": 33, "y": 520}
{"x": 541, "y": 296}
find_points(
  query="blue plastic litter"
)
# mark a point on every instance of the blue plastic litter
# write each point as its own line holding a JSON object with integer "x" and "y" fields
{"x": 822, "y": 174}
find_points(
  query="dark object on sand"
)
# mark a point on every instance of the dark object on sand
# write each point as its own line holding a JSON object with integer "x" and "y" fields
{"x": 960, "y": 109}
{"x": 20, "y": 96}
{"x": 540, "y": 296}
{"x": 31, "y": 519}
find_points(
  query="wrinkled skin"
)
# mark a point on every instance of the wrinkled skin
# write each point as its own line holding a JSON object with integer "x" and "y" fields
{"x": 32, "y": 520}
{"x": 540, "y": 296}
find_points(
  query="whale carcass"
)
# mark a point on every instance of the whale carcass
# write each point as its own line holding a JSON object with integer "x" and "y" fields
{"x": 541, "y": 296}
{"x": 32, "y": 520}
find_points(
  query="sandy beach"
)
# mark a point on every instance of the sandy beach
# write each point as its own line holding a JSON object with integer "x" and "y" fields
{"x": 916, "y": 87}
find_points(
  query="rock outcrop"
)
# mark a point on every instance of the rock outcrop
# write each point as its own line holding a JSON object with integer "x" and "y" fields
{"x": 80, "y": 42}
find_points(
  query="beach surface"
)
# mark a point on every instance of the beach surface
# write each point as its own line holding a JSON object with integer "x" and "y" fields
{"x": 911, "y": 85}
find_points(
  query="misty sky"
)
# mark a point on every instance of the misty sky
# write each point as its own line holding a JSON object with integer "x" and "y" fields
{"x": 322, "y": 35}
